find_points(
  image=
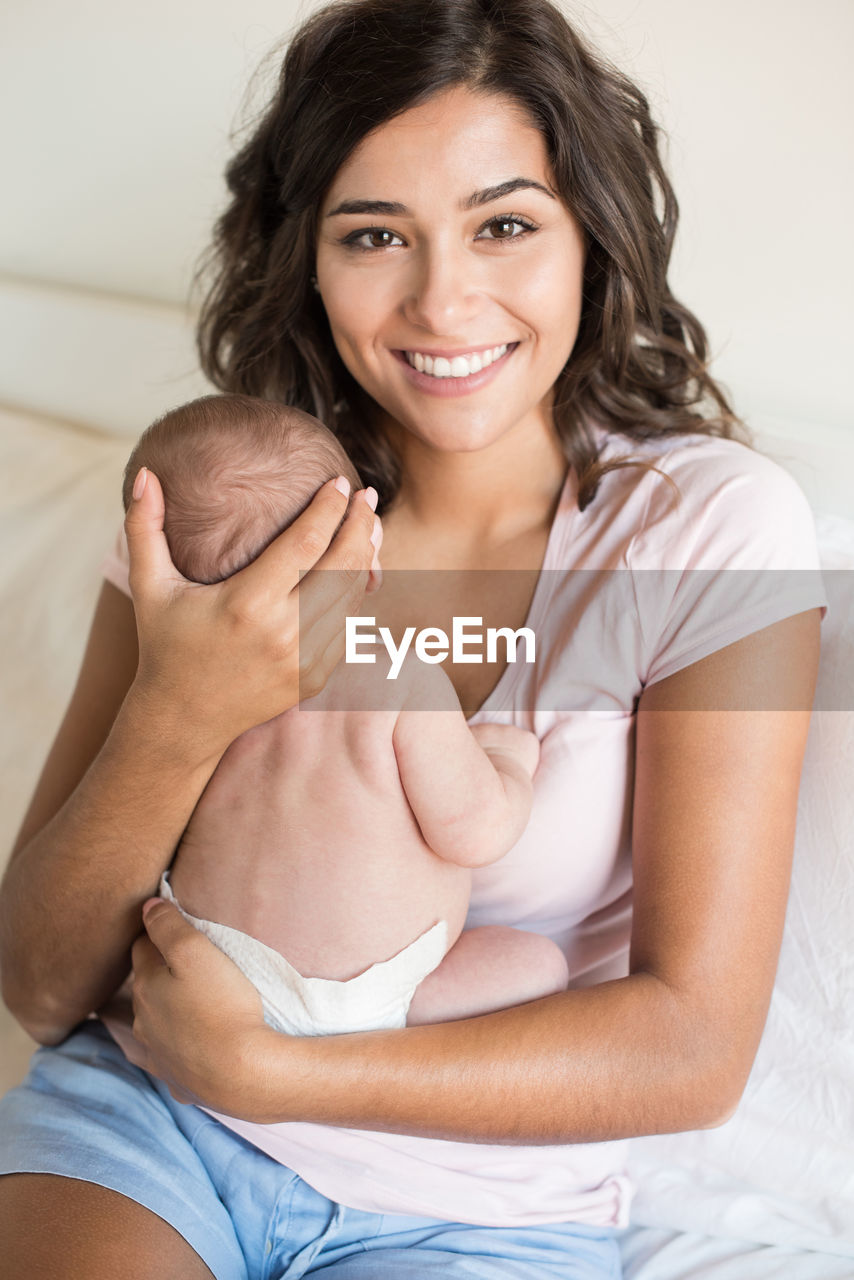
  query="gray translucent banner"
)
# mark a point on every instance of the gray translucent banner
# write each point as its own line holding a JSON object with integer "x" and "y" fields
{"x": 514, "y": 642}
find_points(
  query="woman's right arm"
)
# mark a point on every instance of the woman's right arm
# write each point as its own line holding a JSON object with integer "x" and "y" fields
{"x": 112, "y": 800}
{"x": 146, "y": 726}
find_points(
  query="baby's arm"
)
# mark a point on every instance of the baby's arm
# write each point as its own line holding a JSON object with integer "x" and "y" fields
{"x": 469, "y": 789}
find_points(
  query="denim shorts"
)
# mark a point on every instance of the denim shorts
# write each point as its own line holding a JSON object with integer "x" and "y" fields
{"x": 84, "y": 1112}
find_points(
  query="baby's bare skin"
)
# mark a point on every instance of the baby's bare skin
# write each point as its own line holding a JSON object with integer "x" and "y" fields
{"x": 308, "y": 837}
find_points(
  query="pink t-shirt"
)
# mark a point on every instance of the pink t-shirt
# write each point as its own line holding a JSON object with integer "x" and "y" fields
{"x": 634, "y": 616}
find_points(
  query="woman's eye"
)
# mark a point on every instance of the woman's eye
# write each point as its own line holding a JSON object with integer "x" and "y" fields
{"x": 506, "y": 228}
{"x": 372, "y": 238}
{"x": 509, "y": 227}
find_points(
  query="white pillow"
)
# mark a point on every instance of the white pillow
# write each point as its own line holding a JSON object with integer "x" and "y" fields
{"x": 60, "y": 507}
{"x": 781, "y": 1171}
{"x": 107, "y": 362}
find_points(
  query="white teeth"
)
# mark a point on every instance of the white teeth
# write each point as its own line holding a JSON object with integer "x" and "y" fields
{"x": 458, "y": 366}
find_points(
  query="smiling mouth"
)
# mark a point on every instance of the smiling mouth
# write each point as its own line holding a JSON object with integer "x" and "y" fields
{"x": 462, "y": 366}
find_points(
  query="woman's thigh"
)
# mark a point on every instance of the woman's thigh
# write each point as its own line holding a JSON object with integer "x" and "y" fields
{"x": 95, "y": 1145}
{"x": 63, "y": 1228}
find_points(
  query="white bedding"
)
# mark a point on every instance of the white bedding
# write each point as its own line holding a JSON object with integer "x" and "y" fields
{"x": 649, "y": 1254}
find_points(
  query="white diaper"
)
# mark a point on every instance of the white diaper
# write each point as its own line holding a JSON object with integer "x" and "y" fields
{"x": 378, "y": 998}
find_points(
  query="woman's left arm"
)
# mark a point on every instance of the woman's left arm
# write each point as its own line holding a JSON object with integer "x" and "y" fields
{"x": 718, "y": 759}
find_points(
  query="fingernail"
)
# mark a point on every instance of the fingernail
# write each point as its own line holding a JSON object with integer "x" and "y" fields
{"x": 149, "y": 903}
{"x": 139, "y": 483}
{"x": 372, "y": 497}
{"x": 376, "y": 534}
{"x": 342, "y": 484}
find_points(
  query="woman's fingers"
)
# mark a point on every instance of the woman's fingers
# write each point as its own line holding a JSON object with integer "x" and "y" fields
{"x": 307, "y": 540}
{"x": 150, "y": 561}
{"x": 340, "y": 577}
{"x": 357, "y": 541}
{"x": 146, "y": 959}
{"x": 174, "y": 952}
{"x": 306, "y": 582}
{"x": 327, "y": 597}
{"x": 168, "y": 940}
{"x": 195, "y": 1012}
{"x": 235, "y": 654}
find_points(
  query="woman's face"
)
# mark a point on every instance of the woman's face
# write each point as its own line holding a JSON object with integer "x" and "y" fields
{"x": 451, "y": 271}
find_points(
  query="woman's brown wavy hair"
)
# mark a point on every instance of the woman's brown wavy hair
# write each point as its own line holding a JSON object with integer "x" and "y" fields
{"x": 639, "y": 365}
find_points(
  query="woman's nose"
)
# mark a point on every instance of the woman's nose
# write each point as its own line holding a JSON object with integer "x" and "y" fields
{"x": 443, "y": 292}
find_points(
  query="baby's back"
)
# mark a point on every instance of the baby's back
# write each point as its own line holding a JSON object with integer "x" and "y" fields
{"x": 304, "y": 837}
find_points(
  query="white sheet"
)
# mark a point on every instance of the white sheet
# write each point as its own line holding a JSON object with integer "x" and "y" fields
{"x": 671, "y": 1255}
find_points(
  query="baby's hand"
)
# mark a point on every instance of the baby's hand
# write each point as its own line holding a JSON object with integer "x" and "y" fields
{"x": 509, "y": 740}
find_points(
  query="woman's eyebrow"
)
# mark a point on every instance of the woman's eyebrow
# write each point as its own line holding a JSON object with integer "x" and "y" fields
{"x": 502, "y": 189}
{"x": 394, "y": 209}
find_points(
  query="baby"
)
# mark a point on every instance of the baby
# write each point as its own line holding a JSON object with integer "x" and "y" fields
{"x": 330, "y": 855}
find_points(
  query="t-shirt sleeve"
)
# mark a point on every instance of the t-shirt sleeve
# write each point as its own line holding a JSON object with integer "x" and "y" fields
{"x": 114, "y": 566}
{"x": 735, "y": 552}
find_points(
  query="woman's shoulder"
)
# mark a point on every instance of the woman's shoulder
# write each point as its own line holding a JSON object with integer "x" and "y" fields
{"x": 719, "y": 541}
{"x": 705, "y": 500}
{"x": 699, "y": 464}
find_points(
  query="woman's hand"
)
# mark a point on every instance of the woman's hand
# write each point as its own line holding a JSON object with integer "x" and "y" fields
{"x": 198, "y": 1023}
{"x": 217, "y": 660}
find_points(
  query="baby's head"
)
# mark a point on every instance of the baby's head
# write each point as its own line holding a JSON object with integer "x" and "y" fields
{"x": 235, "y": 472}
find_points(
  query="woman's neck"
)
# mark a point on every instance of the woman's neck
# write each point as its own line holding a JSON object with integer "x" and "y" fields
{"x": 479, "y": 499}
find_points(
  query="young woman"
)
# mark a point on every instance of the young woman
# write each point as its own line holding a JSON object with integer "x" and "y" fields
{"x": 448, "y": 237}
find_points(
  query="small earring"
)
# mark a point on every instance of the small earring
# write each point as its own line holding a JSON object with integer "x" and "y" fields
{"x": 315, "y": 286}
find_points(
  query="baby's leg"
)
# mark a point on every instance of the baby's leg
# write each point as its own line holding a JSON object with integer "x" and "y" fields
{"x": 489, "y": 968}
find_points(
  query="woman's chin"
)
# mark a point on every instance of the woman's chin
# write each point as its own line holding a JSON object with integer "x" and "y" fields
{"x": 471, "y": 432}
